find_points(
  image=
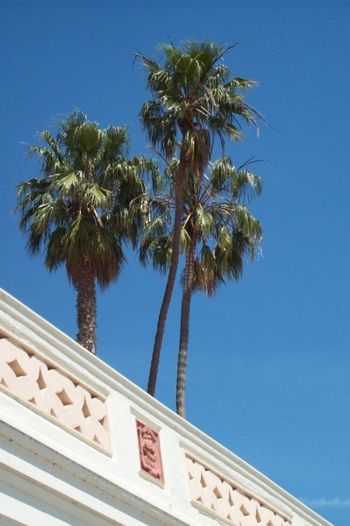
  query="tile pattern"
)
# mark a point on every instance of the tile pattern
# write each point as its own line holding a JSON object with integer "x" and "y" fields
{"x": 149, "y": 450}
{"x": 30, "y": 379}
{"x": 227, "y": 500}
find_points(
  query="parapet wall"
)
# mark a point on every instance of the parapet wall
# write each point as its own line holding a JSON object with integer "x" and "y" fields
{"x": 81, "y": 445}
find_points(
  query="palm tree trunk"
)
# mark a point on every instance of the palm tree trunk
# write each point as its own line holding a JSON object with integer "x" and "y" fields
{"x": 184, "y": 331}
{"x": 179, "y": 200}
{"x": 85, "y": 286}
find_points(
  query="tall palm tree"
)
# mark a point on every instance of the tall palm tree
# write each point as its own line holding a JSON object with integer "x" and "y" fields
{"x": 77, "y": 211}
{"x": 193, "y": 100}
{"x": 217, "y": 232}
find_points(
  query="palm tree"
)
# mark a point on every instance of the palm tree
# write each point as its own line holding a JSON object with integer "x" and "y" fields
{"x": 217, "y": 232}
{"x": 77, "y": 211}
{"x": 194, "y": 100}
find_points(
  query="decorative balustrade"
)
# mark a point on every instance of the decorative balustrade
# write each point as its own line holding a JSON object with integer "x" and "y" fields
{"x": 227, "y": 500}
{"x": 135, "y": 473}
{"x": 32, "y": 380}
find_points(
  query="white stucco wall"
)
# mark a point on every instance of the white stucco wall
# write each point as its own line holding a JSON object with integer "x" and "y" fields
{"x": 53, "y": 476}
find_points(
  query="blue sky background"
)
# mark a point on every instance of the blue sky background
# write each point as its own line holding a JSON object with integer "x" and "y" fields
{"x": 269, "y": 361}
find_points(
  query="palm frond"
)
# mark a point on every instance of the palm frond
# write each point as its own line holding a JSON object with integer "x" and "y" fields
{"x": 78, "y": 211}
{"x": 192, "y": 90}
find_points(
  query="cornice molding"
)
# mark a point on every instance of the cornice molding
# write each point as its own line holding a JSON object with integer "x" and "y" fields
{"x": 30, "y": 329}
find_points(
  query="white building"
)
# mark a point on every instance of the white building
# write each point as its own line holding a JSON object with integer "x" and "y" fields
{"x": 80, "y": 445}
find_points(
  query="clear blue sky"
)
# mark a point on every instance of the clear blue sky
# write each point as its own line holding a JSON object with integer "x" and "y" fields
{"x": 269, "y": 357}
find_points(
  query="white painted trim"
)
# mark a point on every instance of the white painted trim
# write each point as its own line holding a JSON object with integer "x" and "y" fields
{"x": 36, "y": 332}
{"x": 97, "y": 482}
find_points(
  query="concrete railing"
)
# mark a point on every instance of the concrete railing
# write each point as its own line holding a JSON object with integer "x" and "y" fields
{"x": 80, "y": 445}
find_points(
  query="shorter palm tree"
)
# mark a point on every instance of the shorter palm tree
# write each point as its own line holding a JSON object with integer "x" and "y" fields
{"x": 218, "y": 232}
{"x": 78, "y": 210}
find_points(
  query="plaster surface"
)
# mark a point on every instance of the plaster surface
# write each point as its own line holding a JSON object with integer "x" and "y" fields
{"x": 111, "y": 454}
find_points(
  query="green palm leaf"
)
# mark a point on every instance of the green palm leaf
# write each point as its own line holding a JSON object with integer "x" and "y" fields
{"x": 78, "y": 212}
{"x": 193, "y": 102}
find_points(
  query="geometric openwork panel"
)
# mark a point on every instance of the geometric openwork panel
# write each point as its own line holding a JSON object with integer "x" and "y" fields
{"x": 226, "y": 500}
{"x": 30, "y": 379}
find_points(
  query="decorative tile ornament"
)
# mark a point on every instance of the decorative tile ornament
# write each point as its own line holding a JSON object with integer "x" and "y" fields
{"x": 227, "y": 500}
{"x": 52, "y": 392}
{"x": 149, "y": 449}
